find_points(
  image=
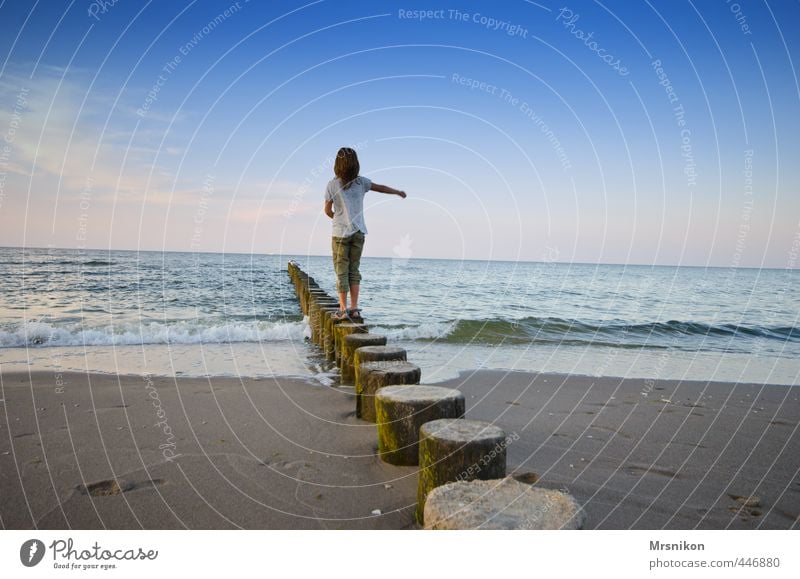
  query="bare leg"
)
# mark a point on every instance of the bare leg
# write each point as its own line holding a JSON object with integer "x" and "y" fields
{"x": 343, "y": 301}
{"x": 354, "y": 295}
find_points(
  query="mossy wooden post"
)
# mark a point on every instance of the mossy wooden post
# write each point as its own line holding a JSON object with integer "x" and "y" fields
{"x": 329, "y": 334}
{"x": 350, "y": 346}
{"x": 297, "y": 276}
{"x": 307, "y": 294}
{"x": 452, "y": 450}
{"x": 314, "y": 317}
{"x": 312, "y": 312}
{"x": 325, "y": 299}
{"x": 400, "y": 411}
{"x": 313, "y": 296}
{"x": 302, "y": 298}
{"x": 342, "y": 330}
{"x": 316, "y": 294}
{"x": 505, "y": 504}
{"x": 375, "y": 354}
{"x": 299, "y": 280}
{"x": 316, "y": 299}
{"x": 319, "y": 326}
{"x": 376, "y": 375}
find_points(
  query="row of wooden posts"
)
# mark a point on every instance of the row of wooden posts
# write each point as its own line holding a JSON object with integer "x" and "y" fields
{"x": 415, "y": 424}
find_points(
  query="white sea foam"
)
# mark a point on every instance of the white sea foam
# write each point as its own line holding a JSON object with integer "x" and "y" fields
{"x": 425, "y": 331}
{"x": 325, "y": 378}
{"x": 182, "y": 332}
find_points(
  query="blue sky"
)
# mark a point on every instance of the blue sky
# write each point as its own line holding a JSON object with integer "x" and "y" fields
{"x": 520, "y": 130}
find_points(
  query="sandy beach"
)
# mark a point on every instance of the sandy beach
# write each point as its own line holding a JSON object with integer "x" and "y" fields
{"x": 287, "y": 453}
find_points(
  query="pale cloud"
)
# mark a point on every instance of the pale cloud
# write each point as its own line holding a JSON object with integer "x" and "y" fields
{"x": 68, "y": 145}
{"x": 60, "y": 133}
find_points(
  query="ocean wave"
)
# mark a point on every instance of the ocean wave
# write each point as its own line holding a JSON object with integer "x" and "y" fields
{"x": 44, "y": 334}
{"x": 428, "y": 331}
{"x": 73, "y": 262}
{"x": 563, "y": 331}
{"x": 96, "y": 263}
{"x": 531, "y": 330}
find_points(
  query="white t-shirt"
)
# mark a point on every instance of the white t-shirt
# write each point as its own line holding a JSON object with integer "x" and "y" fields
{"x": 348, "y": 205}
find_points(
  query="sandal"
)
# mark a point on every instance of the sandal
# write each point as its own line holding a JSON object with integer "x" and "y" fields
{"x": 354, "y": 312}
{"x": 340, "y": 315}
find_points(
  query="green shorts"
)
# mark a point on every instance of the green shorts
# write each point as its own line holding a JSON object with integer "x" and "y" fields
{"x": 346, "y": 259}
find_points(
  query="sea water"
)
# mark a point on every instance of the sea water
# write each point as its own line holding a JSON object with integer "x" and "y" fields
{"x": 201, "y": 314}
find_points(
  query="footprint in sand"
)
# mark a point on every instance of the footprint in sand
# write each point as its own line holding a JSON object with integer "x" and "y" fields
{"x": 640, "y": 470}
{"x": 111, "y": 487}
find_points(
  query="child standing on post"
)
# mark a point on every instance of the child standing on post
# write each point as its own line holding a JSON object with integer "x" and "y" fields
{"x": 344, "y": 203}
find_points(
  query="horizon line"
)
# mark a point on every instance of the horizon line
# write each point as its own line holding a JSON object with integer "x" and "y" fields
{"x": 405, "y": 258}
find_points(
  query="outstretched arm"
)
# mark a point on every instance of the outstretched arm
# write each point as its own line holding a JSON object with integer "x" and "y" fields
{"x": 329, "y": 209}
{"x": 387, "y": 189}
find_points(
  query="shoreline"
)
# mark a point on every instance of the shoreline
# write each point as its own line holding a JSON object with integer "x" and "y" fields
{"x": 311, "y": 378}
{"x": 323, "y": 378}
{"x": 297, "y": 358}
{"x": 285, "y": 453}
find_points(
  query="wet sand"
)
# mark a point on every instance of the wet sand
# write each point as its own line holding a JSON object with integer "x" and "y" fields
{"x": 105, "y": 451}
